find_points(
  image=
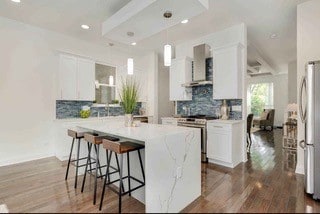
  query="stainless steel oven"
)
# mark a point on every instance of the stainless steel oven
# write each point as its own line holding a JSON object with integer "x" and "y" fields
{"x": 197, "y": 123}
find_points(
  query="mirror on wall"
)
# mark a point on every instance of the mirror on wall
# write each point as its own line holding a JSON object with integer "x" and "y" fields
{"x": 105, "y": 84}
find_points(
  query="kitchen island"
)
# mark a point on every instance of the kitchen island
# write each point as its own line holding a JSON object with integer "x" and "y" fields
{"x": 171, "y": 162}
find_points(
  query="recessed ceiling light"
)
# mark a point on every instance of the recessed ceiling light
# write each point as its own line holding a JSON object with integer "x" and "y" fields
{"x": 185, "y": 21}
{"x": 17, "y": 1}
{"x": 133, "y": 43}
{"x": 130, "y": 34}
{"x": 86, "y": 27}
{"x": 273, "y": 36}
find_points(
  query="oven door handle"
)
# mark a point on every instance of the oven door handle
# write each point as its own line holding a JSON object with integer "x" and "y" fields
{"x": 192, "y": 126}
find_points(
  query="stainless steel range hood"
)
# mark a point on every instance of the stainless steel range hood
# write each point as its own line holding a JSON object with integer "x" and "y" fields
{"x": 200, "y": 53}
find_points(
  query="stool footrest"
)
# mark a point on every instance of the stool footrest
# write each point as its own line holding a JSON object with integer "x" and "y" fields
{"x": 124, "y": 193}
{"x": 79, "y": 159}
{"x": 129, "y": 191}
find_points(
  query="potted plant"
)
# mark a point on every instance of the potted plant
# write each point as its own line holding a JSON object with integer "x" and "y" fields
{"x": 129, "y": 97}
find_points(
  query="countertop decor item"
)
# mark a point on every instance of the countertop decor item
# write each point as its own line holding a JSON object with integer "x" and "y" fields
{"x": 129, "y": 97}
{"x": 85, "y": 112}
{"x": 224, "y": 110}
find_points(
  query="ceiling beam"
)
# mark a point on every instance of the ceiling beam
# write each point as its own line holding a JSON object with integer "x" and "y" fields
{"x": 124, "y": 14}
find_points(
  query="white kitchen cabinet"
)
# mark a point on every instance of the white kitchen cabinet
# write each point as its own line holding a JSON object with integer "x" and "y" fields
{"x": 169, "y": 121}
{"x": 225, "y": 142}
{"x": 67, "y": 78}
{"x": 86, "y": 79}
{"x": 76, "y": 78}
{"x": 180, "y": 73}
{"x": 228, "y": 72}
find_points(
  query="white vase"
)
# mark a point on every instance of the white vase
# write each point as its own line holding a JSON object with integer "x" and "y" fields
{"x": 128, "y": 120}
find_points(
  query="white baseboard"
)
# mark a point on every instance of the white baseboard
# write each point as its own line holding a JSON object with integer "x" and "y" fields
{"x": 223, "y": 163}
{"x": 24, "y": 159}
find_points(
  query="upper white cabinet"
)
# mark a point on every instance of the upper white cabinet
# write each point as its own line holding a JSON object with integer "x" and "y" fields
{"x": 86, "y": 78}
{"x": 67, "y": 78}
{"x": 180, "y": 73}
{"x": 76, "y": 78}
{"x": 227, "y": 72}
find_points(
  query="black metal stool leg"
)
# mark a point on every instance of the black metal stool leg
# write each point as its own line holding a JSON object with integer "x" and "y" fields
{"x": 117, "y": 160}
{"x": 107, "y": 178}
{"x": 96, "y": 177}
{"x": 90, "y": 158}
{"x": 77, "y": 166}
{"x": 120, "y": 189}
{"x": 85, "y": 171}
{"x": 140, "y": 160}
{"x": 107, "y": 155}
{"x": 129, "y": 181}
{"x": 67, "y": 172}
{"x": 97, "y": 157}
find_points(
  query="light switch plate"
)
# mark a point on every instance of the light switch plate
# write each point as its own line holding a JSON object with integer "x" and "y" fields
{"x": 237, "y": 108}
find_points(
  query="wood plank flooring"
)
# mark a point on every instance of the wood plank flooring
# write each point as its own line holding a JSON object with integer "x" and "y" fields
{"x": 266, "y": 183}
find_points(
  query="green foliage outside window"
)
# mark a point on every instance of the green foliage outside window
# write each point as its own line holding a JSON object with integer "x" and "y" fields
{"x": 259, "y": 97}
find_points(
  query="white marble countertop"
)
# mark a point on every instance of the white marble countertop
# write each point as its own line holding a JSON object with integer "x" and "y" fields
{"x": 97, "y": 118}
{"x": 172, "y": 163}
{"x": 143, "y": 132}
{"x": 225, "y": 121}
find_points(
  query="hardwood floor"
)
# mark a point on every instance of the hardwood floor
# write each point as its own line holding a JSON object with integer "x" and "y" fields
{"x": 266, "y": 183}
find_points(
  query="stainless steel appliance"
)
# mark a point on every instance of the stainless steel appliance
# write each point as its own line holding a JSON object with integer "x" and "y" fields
{"x": 198, "y": 121}
{"x": 309, "y": 98}
{"x": 200, "y": 54}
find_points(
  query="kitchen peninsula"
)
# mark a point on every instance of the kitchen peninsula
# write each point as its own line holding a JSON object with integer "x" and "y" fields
{"x": 171, "y": 163}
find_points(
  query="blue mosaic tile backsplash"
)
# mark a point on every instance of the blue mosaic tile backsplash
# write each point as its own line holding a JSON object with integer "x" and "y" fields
{"x": 202, "y": 101}
{"x": 71, "y": 109}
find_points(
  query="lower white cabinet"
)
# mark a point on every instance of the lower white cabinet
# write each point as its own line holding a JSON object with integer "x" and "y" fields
{"x": 169, "y": 121}
{"x": 225, "y": 142}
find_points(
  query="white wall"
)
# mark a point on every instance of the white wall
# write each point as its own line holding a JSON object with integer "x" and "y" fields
{"x": 308, "y": 43}
{"x": 28, "y": 68}
{"x": 233, "y": 35}
{"x": 280, "y": 93}
{"x": 165, "y": 106}
{"x": 292, "y": 82}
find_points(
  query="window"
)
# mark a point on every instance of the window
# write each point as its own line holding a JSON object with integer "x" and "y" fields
{"x": 260, "y": 96}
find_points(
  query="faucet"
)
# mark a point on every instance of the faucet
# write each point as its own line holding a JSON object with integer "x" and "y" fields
{"x": 107, "y": 107}
{"x": 188, "y": 110}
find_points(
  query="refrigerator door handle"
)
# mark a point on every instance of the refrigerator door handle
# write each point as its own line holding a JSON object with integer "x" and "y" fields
{"x": 302, "y": 112}
{"x": 302, "y": 144}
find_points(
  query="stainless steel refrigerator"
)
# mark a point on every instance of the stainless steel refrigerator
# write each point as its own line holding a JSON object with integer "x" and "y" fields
{"x": 309, "y": 98}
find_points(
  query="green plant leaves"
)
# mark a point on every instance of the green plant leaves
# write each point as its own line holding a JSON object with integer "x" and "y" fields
{"x": 129, "y": 95}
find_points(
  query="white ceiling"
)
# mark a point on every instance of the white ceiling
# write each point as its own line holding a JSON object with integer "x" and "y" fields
{"x": 263, "y": 17}
{"x": 145, "y": 19}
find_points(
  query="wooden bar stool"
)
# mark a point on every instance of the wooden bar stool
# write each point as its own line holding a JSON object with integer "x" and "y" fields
{"x": 120, "y": 148}
{"x": 96, "y": 139}
{"x": 76, "y": 134}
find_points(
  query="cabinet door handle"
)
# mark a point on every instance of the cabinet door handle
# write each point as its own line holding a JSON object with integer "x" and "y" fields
{"x": 220, "y": 127}
{"x": 61, "y": 94}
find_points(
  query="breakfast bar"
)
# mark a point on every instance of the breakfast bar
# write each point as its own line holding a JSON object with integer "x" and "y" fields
{"x": 171, "y": 163}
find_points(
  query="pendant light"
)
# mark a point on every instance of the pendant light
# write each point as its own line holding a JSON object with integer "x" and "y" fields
{"x": 167, "y": 47}
{"x": 130, "y": 66}
{"x": 111, "y": 80}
